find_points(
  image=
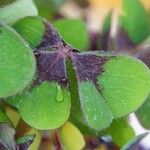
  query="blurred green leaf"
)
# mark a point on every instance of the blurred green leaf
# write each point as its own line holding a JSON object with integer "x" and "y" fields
{"x": 132, "y": 144}
{"x": 135, "y": 21}
{"x": 104, "y": 39}
{"x": 143, "y": 114}
{"x": 17, "y": 62}
{"x": 24, "y": 8}
{"x": 120, "y": 131}
{"x": 74, "y": 32}
{"x": 48, "y": 8}
{"x": 107, "y": 23}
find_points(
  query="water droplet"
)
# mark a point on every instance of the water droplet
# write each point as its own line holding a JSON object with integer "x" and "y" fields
{"x": 60, "y": 95}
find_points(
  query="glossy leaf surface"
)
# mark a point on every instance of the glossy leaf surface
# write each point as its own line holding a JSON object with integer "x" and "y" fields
{"x": 76, "y": 36}
{"x": 31, "y": 29}
{"x": 46, "y": 107}
{"x": 17, "y": 62}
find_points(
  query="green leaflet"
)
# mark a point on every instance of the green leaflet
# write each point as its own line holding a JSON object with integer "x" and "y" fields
{"x": 17, "y": 62}
{"x": 120, "y": 131}
{"x": 46, "y": 107}
{"x": 24, "y": 8}
{"x": 125, "y": 84}
{"x": 135, "y": 21}
{"x": 143, "y": 114}
{"x": 76, "y": 34}
{"x": 48, "y": 8}
{"x": 95, "y": 111}
{"x": 32, "y": 29}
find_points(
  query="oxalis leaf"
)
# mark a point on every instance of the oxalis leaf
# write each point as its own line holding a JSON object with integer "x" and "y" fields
{"x": 103, "y": 86}
{"x": 77, "y": 34}
{"x": 46, "y": 107}
{"x": 17, "y": 62}
{"x": 24, "y": 8}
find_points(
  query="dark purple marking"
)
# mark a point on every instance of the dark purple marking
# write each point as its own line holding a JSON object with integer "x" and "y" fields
{"x": 51, "y": 38}
{"x": 123, "y": 41}
{"x": 51, "y": 67}
{"x": 88, "y": 66}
